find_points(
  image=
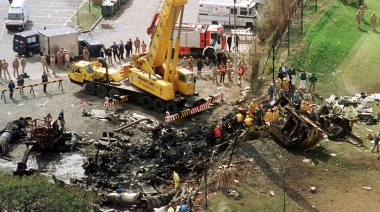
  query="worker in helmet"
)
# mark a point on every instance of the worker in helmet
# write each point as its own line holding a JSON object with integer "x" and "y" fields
{"x": 253, "y": 107}
{"x": 276, "y": 114}
{"x": 268, "y": 117}
{"x": 176, "y": 180}
{"x": 239, "y": 119}
{"x": 248, "y": 121}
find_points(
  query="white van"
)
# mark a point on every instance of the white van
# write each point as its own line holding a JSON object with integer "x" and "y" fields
{"x": 222, "y": 12}
{"x": 17, "y": 15}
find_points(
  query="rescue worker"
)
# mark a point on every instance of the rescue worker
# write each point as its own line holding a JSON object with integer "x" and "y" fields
{"x": 233, "y": 174}
{"x": 15, "y": 66}
{"x": 362, "y": 7}
{"x": 199, "y": 67}
{"x": 20, "y": 83}
{"x": 276, "y": 114}
{"x": 286, "y": 86}
{"x": 253, "y": 107}
{"x": 373, "y": 21}
{"x": 271, "y": 92}
{"x": 297, "y": 103}
{"x": 218, "y": 132}
{"x": 176, "y": 180}
{"x": 239, "y": 119}
{"x": 307, "y": 97}
{"x": 5, "y": 69}
{"x": 23, "y": 64}
{"x": 281, "y": 93}
{"x": 296, "y": 95}
{"x": 219, "y": 177}
{"x": 248, "y": 121}
{"x": 191, "y": 63}
{"x": 230, "y": 68}
{"x": 313, "y": 115}
{"x": 259, "y": 115}
{"x": 268, "y": 117}
{"x": 227, "y": 177}
{"x": 52, "y": 64}
{"x": 307, "y": 107}
{"x": 137, "y": 44}
{"x": 44, "y": 63}
{"x": 215, "y": 75}
{"x": 358, "y": 18}
{"x": 184, "y": 62}
{"x": 60, "y": 58}
{"x": 171, "y": 209}
{"x": 86, "y": 54}
{"x": 222, "y": 73}
{"x": 376, "y": 140}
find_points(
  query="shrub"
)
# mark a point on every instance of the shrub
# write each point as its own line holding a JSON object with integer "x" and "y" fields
{"x": 352, "y": 3}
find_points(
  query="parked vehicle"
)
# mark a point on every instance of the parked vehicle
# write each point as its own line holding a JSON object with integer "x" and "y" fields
{"x": 201, "y": 40}
{"x": 18, "y": 15}
{"x": 223, "y": 12}
{"x": 26, "y": 43}
{"x": 49, "y": 41}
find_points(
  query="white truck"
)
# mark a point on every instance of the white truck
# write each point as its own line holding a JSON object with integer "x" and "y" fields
{"x": 226, "y": 12}
{"x": 17, "y": 16}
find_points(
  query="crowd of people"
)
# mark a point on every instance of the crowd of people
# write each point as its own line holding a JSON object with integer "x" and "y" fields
{"x": 120, "y": 50}
{"x": 218, "y": 65}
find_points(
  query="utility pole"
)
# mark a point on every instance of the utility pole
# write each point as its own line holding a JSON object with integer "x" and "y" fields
{"x": 301, "y": 17}
{"x": 236, "y": 47}
{"x": 274, "y": 44}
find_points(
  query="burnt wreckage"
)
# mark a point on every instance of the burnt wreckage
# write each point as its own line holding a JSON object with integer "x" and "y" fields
{"x": 301, "y": 133}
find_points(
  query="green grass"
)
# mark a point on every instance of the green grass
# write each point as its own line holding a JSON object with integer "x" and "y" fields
{"x": 332, "y": 41}
{"x": 86, "y": 20}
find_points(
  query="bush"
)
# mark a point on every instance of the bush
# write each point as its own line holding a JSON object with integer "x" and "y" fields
{"x": 353, "y": 3}
{"x": 35, "y": 193}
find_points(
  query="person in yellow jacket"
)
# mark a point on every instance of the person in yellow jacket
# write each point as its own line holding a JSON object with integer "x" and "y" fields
{"x": 239, "y": 119}
{"x": 176, "y": 180}
{"x": 268, "y": 117}
{"x": 276, "y": 114}
{"x": 248, "y": 121}
{"x": 253, "y": 106}
{"x": 171, "y": 209}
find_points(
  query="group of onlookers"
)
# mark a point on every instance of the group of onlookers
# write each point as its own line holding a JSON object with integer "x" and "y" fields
{"x": 118, "y": 50}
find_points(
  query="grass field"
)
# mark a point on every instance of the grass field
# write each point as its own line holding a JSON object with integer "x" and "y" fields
{"x": 344, "y": 58}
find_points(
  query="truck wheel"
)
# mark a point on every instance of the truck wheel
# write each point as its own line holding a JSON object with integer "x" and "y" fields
{"x": 335, "y": 133}
{"x": 113, "y": 92}
{"x": 171, "y": 107}
{"x": 147, "y": 102}
{"x": 102, "y": 91}
{"x": 159, "y": 105}
{"x": 209, "y": 53}
{"x": 90, "y": 88}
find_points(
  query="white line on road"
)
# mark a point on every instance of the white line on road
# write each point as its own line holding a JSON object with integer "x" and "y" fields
{"x": 47, "y": 16}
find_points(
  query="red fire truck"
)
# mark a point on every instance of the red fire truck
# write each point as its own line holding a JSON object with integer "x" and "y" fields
{"x": 201, "y": 40}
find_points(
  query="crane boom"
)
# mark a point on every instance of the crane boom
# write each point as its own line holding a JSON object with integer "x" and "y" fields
{"x": 162, "y": 32}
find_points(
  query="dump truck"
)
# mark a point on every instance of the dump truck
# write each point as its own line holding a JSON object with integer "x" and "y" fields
{"x": 146, "y": 79}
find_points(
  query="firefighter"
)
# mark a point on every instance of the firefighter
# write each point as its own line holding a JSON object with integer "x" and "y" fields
{"x": 253, "y": 107}
{"x": 239, "y": 119}
{"x": 248, "y": 121}
{"x": 219, "y": 177}
{"x": 268, "y": 117}
{"x": 176, "y": 180}
{"x": 276, "y": 114}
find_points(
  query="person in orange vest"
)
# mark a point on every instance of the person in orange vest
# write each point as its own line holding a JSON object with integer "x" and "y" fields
{"x": 268, "y": 117}
{"x": 276, "y": 114}
{"x": 286, "y": 86}
{"x": 218, "y": 131}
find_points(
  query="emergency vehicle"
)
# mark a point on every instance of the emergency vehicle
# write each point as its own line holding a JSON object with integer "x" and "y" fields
{"x": 223, "y": 12}
{"x": 201, "y": 40}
